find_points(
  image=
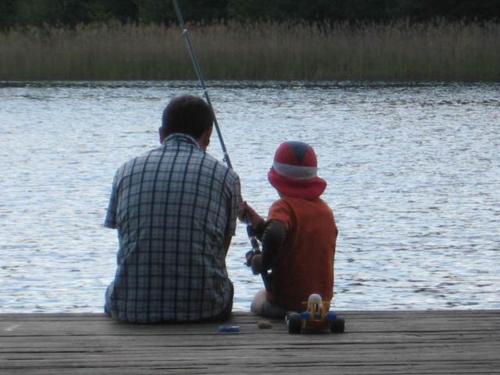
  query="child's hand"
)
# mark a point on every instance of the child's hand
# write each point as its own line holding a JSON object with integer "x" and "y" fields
{"x": 256, "y": 264}
{"x": 248, "y": 215}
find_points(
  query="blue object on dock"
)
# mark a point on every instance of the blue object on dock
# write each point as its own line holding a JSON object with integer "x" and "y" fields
{"x": 331, "y": 316}
{"x": 306, "y": 315}
{"x": 229, "y": 329}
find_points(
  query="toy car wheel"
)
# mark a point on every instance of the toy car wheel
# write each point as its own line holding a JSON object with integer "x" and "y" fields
{"x": 294, "y": 323}
{"x": 337, "y": 325}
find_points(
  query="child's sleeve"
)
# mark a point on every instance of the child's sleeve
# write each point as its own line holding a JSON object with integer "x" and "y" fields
{"x": 279, "y": 222}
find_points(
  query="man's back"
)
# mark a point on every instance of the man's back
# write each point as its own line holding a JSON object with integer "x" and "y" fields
{"x": 175, "y": 208}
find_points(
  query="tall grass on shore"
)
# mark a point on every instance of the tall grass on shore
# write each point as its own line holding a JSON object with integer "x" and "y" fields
{"x": 400, "y": 51}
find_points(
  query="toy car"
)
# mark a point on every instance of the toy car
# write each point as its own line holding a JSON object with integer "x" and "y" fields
{"x": 317, "y": 318}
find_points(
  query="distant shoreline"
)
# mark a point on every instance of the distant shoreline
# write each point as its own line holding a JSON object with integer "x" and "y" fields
{"x": 266, "y": 51}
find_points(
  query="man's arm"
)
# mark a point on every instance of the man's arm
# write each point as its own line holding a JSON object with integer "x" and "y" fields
{"x": 110, "y": 220}
{"x": 234, "y": 205}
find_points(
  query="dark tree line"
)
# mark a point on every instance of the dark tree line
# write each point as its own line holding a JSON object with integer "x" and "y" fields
{"x": 68, "y": 13}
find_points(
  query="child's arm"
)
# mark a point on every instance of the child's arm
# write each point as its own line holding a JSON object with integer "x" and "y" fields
{"x": 273, "y": 238}
{"x": 248, "y": 215}
{"x": 271, "y": 233}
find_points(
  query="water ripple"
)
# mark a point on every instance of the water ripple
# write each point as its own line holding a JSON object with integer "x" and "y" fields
{"x": 413, "y": 173}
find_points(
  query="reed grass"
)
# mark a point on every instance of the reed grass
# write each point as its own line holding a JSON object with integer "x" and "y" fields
{"x": 265, "y": 51}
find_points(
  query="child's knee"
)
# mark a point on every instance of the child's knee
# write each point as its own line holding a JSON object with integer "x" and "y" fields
{"x": 258, "y": 301}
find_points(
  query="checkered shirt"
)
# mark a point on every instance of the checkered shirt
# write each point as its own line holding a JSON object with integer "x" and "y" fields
{"x": 174, "y": 208}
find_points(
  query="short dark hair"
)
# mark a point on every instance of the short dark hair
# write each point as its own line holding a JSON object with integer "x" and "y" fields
{"x": 187, "y": 114}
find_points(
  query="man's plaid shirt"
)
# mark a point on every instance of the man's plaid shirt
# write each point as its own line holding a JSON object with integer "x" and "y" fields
{"x": 174, "y": 208}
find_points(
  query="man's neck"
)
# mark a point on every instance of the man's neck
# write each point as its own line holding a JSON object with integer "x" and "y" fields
{"x": 181, "y": 137}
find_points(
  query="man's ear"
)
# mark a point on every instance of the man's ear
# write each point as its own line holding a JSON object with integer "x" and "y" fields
{"x": 204, "y": 139}
{"x": 161, "y": 134}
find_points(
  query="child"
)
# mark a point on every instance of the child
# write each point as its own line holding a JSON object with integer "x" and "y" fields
{"x": 298, "y": 237}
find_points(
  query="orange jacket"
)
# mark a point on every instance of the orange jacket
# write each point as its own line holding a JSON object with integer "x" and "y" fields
{"x": 304, "y": 265}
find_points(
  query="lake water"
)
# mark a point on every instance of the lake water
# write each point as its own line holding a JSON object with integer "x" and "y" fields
{"x": 413, "y": 173}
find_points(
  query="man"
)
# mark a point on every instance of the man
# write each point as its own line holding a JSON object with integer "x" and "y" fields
{"x": 175, "y": 209}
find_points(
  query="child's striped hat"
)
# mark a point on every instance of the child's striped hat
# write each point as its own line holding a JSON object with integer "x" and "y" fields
{"x": 295, "y": 171}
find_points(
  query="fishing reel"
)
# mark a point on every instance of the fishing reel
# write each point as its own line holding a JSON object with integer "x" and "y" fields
{"x": 255, "y": 247}
{"x": 266, "y": 276}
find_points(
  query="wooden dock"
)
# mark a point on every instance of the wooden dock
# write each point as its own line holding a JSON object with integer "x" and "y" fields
{"x": 391, "y": 342}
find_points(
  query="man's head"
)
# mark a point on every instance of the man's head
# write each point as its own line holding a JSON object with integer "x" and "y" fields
{"x": 189, "y": 115}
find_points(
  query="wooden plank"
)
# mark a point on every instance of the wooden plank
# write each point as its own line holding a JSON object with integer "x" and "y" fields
{"x": 406, "y": 342}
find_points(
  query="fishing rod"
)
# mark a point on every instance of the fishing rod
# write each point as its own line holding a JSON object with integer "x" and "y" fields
{"x": 185, "y": 33}
{"x": 201, "y": 80}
